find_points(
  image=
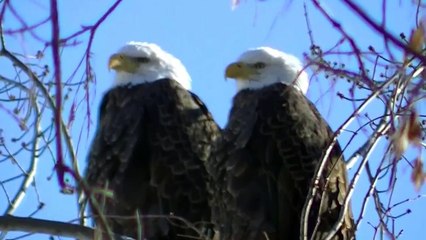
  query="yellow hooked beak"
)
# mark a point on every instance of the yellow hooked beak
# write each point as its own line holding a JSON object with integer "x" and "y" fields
{"x": 240, "y": 71}
{"x": 123, "y": 63}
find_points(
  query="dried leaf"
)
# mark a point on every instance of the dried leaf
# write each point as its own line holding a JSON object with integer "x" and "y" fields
{"x": 23, "y": 125}
{"x": 417, "y": 175}
{"x": 409, "y": 132}
{"x": 416, "y": 42}
{"x": 417, "y": 39}
{"x": 399, "y": 141}
{"x": 414, "y": 133}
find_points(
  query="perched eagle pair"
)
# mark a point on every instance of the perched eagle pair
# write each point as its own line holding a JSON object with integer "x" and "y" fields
{"x": 172, "y": 171}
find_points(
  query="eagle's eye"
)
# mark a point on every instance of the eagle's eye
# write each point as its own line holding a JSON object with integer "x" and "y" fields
{"x": 259, "y": 65}
{"x": 142, "y": 59}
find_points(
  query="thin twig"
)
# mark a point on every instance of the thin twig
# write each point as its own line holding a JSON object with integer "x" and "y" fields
{"x": 356, "y": 9}
{"x": 30, "y": 173}
{"x": 354, "y": 181}
{"x": 320, "y": 167}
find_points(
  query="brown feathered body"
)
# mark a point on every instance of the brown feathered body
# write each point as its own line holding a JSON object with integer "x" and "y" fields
{"x": 264, "y": 165}
{"x": 149, "y": 152}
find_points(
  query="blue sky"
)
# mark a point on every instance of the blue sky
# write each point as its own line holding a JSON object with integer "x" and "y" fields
{"x": 206, "y": 36}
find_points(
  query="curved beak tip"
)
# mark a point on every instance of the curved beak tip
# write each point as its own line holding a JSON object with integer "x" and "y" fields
{"x": 114, "y": 61}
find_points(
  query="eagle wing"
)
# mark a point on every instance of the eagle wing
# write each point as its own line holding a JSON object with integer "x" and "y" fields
{"x": 150, "y": 150}
{"x": 271, "y": 146}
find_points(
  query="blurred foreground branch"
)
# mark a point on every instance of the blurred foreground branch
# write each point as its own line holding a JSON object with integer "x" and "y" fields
{"x": 54, "y": 228}
{"x": 32, "y": 225}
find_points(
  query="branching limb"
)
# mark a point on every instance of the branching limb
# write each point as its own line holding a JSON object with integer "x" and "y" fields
{"x": 55, "y": 228}
{"x": 30, "y": 173}
{"x": 354, "y": 181}
{"x": 362, "y": 151}
{"x": 379, "y": 28}
{"x": 24, "y": 224}
{"x": 318, "y": 173}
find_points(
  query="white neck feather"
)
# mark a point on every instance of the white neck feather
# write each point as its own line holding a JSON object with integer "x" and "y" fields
{"x": 288, "y": 78}
{"x": 132, "y": 79}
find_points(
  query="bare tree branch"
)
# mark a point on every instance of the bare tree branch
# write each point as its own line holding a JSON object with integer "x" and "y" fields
{"x": 380, "y": 29}
{"x": 320, "y": 167}
{"x": 30, "y": 173}
{"x": 24, "y": 224}
{"x": 54, "y": 228}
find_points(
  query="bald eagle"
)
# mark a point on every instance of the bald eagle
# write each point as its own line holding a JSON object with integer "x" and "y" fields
{"x": 264, "y": 164}
{"x": 152, "y": 141}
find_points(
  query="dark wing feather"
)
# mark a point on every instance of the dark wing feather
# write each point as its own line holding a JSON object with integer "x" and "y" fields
{"x": 150, "y": 149}
{"x": 271, "y": 146}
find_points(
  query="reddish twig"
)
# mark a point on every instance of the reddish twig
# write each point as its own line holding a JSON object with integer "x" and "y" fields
{"x": 27, "y": 28}
{"x": 61, "y": 168}
{"x": 19, "y": 18}
{"x": 89, "y": 46}
{"x": 356, "y": 9}
{"x": 351, "y": 41}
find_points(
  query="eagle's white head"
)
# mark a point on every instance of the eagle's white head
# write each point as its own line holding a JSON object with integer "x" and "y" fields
{"x": 263, "y": 66}
{"x": 141, "y": 62}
